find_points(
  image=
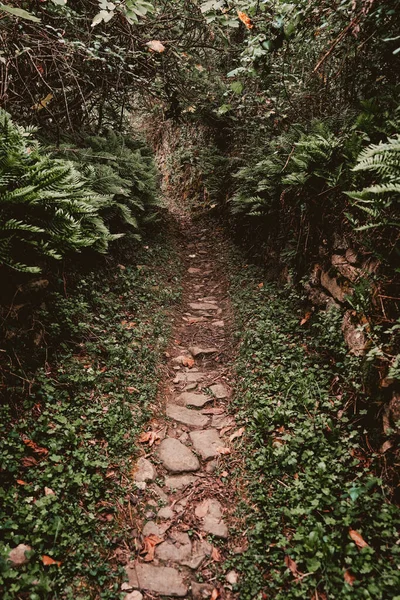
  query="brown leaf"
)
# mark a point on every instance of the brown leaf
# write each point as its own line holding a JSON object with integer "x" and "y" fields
{"x": 48, "y": 561}
{"x": 213, "y": 411}
{"x": 245, "y": 19}
{"x": 29, "y": 461}
{"x": 132, "y": 389}
{"x": 349, "y": 577}
{"x": 149, "y": 546}
{"x": 155, "y": 46}
{"x": 187, "y": 361}
{"x": 149, "y": 437}
{"x": 306, "y": 318}
{"x": 291, "y": 565}
{"x": 21, "y": 482}
{"x": 37, "y": 449}
{"x": 215, "y": 594}
{"x": 357, "y": 538}
{"x": 216, "y": 555}
{"x": 260, "y": 285}
{"x": 236, "y": 434}
{"x": 223, "y": 450}
{"x": 48, "y": 492}
{"x": 202, "y": 509}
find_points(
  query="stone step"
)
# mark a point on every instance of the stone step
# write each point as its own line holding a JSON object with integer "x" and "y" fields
{"x": 176, "y": 457}
{"x": 192, "y": 399}
{"x": 159, "y": 580}
{"x": 186, "y": 416}
{"x": 206, "y": 442}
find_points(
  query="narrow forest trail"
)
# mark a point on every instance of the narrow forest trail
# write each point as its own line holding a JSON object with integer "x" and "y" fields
{"x": 186, "y": 497}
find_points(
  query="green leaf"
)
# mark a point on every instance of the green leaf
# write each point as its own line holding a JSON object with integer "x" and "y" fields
{"x": 237, "y": 87}
{"x": 19, "y": 12}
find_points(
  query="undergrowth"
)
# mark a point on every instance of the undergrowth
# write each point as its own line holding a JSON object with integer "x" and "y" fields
{"x": 68, "y": 427}
{"x": 323, "y": 525}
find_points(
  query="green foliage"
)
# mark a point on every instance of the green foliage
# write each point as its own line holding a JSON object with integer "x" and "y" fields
{"x": 47, "y": 208}
{"x": 310, "y": 475}
{"x": 380, "y": 201}
{"x": 123, "y": 168}
{"x": 86, "y": 402}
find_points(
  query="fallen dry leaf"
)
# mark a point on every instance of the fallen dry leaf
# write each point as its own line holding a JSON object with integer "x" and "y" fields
{"x": 213, "y": 411}
{"x": 224, "y": 474}
{"x": 21, "y": 482}
{"x": 260, "y": 285}
{"x": 188, "y": 362}
{"x": 223, "y": 450}
{"x": 29, "y": 461}
{"x": 306, "y": 318}
{"x": 37, "y": 449}
{"x": 349, "y": 577}
{"x": 132, "y": 389}
{"x": 236, "y": 434}
{"x": 357, "y": 538}
{"x": 216, "y": 555}
{"x": 48, "y": 492}
{"x": 149, "y": 437}
{"x": 246, "y": 20}
{"x": 155, "y": 46}
{"x": 149, "y": 546}
{"x": 291, "y": 565}
{"x": 48, "y": 561}
{"x": 215, "y": 594}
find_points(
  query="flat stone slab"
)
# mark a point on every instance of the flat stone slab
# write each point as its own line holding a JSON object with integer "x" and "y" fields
{"x": 206, "y": 442}
{"x": 176, "y": 457}
{"x": 145, "y": 471}
{"x": 189, "y": 377}
{"x": 210, "y": 511}
{"x": 177, "y": 550}
{"x": 221, "y": 421}
{"x": 177, "y": 482}
{"x": 219, "y": 391}
{"x": 198, "y": 351}
{"x": 151, "y": 528}
{"x": 192, "y": 399}
{"x": 186, "y": 416}
{"x": 160, "y": 580}
{"x": 203, "y": 306}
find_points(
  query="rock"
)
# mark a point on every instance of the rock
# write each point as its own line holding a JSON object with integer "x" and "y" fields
{"x": 160, "y": 493}
{"x": 176, "y": 457}
{"x": 344, "y": 268}
{"x": 200, "y": 550}
{"x": 317, "y": 296}
{"x": 354, "y": 337}
{"x": 17, "y": 555}
{"x": 178, "y": 482}
{"x": 203, "y": 306}
{"x": 178, "y": 550}
{"x": 181, "y": 360}
{"x": 201, "y": 591}
{"x": 211, "y": 466}
{"x": 331, "y": 284}
{"x": 210, "y": 511}
{"x": 160, "y": 580}
{"x": 151, "y": 528}
{"x": 351, "y": 256}
{"x": 219, "y": 391}
{"x": 184, "y": 437}
{"x": 218, "y": 323}
{"x": 221, "y": 421}
{"x": 189, "y": 377}
{"x": 192, "y": 399}
{"x": 166, "y": 513}
{"x": 232, "y": 577}
{"x": 206, "y": 442}
{"x": 145, "y": 471}
{"x": 191, "y": 386}
{"x": 134, "y": 596}
{"x": 198, "y": 351}
{"x": 194, "y": 271}
{"x": 186, "y": 416}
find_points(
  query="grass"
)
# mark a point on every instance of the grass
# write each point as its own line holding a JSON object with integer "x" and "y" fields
{"x": 322, "y": 524}
{"x": 69, "y": 422}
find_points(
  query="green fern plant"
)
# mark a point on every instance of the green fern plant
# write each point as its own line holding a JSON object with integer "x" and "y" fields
{"x": 47, "y": 208}
{"x": 123, "y": 168}
{"x": 379, "y": 201}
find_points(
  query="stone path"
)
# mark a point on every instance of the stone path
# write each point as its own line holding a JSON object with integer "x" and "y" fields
{"x": 184, "y": 498}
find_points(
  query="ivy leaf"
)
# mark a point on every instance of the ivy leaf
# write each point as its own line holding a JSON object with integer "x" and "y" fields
{"x": 237, "y": 87}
